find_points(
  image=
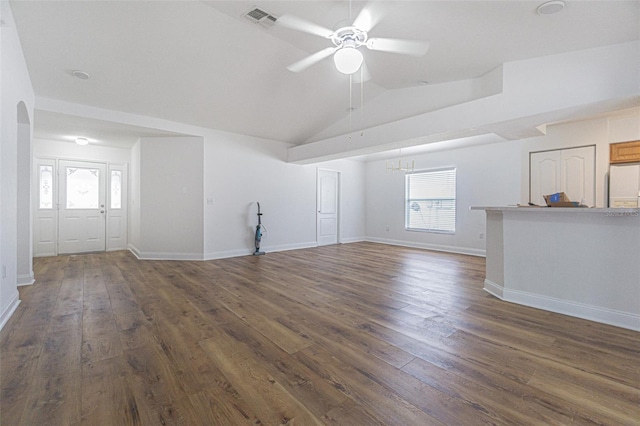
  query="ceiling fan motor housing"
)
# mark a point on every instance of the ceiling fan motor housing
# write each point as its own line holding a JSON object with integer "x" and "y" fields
{"x": 349, "y": 37}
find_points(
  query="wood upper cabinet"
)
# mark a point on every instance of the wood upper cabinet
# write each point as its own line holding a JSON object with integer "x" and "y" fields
{"x": 624, "y": 152}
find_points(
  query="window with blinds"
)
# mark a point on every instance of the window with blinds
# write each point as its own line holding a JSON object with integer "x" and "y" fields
{"x": 430, "y": 201}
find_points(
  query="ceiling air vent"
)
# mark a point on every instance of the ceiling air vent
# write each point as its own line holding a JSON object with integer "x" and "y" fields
{"x": 259, "y": 16}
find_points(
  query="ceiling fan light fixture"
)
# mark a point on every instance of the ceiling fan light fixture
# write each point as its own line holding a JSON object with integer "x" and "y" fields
{"x": 82, "y": 141}
{"x": 348, "y": 60}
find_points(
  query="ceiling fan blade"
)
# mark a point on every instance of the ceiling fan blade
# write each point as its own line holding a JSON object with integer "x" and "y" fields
{"x": 362, "y": 75}
{"x": 406, "y": 47}
{"x": 369, "y": 16}
{"x": 305, "y": 63}
{"x": 299, "y": 24}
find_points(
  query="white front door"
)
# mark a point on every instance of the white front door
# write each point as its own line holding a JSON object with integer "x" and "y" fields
{"x": 328, "y": 207}
{"x": 81, "y": 219}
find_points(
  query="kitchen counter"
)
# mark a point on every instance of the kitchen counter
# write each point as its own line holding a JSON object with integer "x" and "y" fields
{"x": 583, "y": 262}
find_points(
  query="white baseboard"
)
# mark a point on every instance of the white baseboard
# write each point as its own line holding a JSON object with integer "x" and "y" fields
{"x": 492, "y": 288}
{"x": 426, "y": 246}
{"x": 349, "y": 240}
{"x": 622, "y": 319}
{"x": 27, "y": 279}
{"x": 267, "y": 249}
{"x": 4, "y": 317}
{"x": 133, "y": 249}
{"x": 146, "y": 255}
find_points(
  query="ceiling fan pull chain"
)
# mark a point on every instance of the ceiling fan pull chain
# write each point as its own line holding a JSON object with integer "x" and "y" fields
{"x": 350, "y": 102}
{"x": 362, "y": 100}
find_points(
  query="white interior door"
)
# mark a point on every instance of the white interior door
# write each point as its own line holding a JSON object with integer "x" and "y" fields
{"x": 328, "y": 207}
{"x": 579, "y": 174}
{"x": 544, "y": 178}
{"x": 571, "y": 171}
{"x": 81, "y": 219}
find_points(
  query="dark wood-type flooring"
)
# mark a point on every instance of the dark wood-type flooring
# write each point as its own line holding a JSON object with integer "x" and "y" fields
{"x": 353, "y": 334}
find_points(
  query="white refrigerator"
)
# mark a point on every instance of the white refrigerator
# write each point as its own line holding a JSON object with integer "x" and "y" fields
{"x": 624, "y": 185}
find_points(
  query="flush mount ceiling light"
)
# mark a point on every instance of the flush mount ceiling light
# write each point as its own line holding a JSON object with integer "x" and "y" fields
{"x": 82, "y": 141}
{"x": 80, "y": 74}
{"x": 550, "y": 7}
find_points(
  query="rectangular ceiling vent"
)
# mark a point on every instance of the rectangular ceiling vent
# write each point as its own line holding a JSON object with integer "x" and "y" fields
{"x": 259, "y": 16}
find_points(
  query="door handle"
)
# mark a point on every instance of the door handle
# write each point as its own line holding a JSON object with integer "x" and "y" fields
{"x": 101, "y": 211}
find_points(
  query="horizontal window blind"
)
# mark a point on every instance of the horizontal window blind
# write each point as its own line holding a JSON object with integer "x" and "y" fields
{"x": 430, "y": 201}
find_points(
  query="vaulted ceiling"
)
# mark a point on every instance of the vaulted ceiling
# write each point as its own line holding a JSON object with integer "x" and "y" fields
{"x": 205, "y": 64}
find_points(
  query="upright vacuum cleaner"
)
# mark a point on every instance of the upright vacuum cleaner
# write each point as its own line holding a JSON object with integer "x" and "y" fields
{"x": 258, "y": 234}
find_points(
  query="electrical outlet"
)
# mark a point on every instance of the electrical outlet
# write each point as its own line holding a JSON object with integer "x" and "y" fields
{"x": 387, "y": 229}
{"x": 481, "y": 235}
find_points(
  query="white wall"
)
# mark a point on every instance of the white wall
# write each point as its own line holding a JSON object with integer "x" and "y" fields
{"x": 166, "y": 220}
{"x": 54, "y": 150}
{"x": 15, "y": 87}
{"x": 616, "y": 127}
{"x": 71, "y": 151}
{"x": 242, "y": 170}
{"x": 488, "y": 175}
{"x": 485, "y": 175}
{"x": 133, "y": 232}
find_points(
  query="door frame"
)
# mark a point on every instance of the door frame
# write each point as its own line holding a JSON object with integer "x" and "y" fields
{"x": 55, "y": 162}
{"x": 338, "y": 203}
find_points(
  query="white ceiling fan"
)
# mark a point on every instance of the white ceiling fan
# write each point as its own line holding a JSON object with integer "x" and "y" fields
{"x": 347, "y": 41}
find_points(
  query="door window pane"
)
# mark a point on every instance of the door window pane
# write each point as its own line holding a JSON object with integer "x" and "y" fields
{"x": 46, "y": 187}
{"x": 116, "y": 189}
{"x": 83, "y": 190}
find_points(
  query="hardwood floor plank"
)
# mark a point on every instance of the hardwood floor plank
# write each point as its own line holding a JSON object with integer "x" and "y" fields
{"x": 152, "y": 380}
{"x": 99, "y": 347}
{"x": 135, "y": 329}
{"x": 107, "y": 397}
{"x": 60, "y": 355}
{"x": 310, "y": 389}
{"x": 211, "y": 408}
{"x": 377, "y": 400}
{"x": 17, "y": 371}
{"x": 53, "y": 400}
{"x": 352, "y": 334}
{"x": 322, "y": 328}
{"x": 270, "y": 400}
{"x": 620, "y": 403}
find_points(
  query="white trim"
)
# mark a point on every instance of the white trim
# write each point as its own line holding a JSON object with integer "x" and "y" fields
{"x": 348, "y": 240}
{"x": 134, "y": 250}
{"x": 622, "y": 319}
{"x": 494, "y": 289}
{"x": 164, "y": 255}
{"x": 436, "y": 247}
{"x": 26, "y": 279}
{"x": 269, "y": 249}
{"x": 4, "y": 317}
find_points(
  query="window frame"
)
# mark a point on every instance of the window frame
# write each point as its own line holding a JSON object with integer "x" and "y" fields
{"x": 408, "y": 201}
